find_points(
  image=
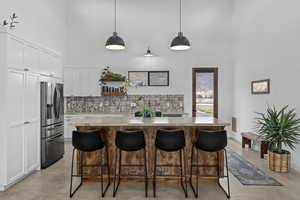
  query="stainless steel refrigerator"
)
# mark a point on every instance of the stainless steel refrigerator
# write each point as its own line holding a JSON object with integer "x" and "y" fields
{"x": 52, "y": 123}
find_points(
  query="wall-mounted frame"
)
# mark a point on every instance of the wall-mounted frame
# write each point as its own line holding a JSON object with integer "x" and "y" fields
{"x": 158, "y": 78}
{"x": 138, "y": 78}
{"x": 260, "y": 87}
{"x": 149, "y": 78}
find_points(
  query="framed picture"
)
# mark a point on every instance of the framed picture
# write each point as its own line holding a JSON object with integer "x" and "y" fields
{"x": 260, "y": 87}
{"x": 138, "y": 78}
{"x": 158, "y": 78}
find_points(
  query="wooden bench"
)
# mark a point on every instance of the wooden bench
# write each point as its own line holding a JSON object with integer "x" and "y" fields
{"x": 248, "y": 137}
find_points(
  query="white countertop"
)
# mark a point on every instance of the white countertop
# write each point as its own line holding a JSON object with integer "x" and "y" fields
{"x": 157, "y": 121}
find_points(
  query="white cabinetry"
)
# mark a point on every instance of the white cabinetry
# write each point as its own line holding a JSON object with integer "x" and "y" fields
{"x": 32, "y": 121}
{"x": 22, "y": 136}
{"x": 22, "y": 55}
{"x": 69, "y": 128}
{"x": 15, "y": 130}
{"x": 81, "y": 81}
{"x": 20, "y": 76}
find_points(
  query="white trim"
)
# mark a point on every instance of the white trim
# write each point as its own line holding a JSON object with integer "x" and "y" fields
{"x": 17, "y": 180}
{"x": 31, "y": 44}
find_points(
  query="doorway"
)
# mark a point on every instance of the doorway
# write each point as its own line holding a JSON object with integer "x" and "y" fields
{"x": 205, "y": 92}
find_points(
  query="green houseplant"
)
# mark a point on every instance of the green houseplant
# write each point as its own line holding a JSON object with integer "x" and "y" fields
{"x": 280, "y": 128}
{"x": 107, "y": 75}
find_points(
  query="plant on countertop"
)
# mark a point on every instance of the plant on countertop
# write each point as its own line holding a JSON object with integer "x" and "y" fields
{"x": 280, "y": 128}
{"x": 148, "y": 113}
{"x": 108, "y": 75}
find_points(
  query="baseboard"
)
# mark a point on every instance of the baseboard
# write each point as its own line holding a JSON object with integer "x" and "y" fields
{"x": 5, "y": 187}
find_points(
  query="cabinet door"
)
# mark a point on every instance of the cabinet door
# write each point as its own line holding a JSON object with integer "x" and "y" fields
{"x": 32, "y": 142}
{"x": 68, "y": 82}
{"x": 15, "y": 133}
{"x": 94, "y": 77}
{"x": 15, "y": 54}
{"x": 57, "y": 66}
{"x": 31, "y": 116}
{"x": 79, "y": 82}
{"x": 44, "y": 63}
{"x": 85, "y": 82}
{"x": 31, "y": 58}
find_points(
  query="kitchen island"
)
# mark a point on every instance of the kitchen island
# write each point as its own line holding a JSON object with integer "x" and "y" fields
{"x": 108, "y": 126}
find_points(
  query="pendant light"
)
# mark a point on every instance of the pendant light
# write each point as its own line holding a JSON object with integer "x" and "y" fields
{"x": 180, "y": 42}
{"x": 148, "y": 53}
{"x": 115, "y": 42}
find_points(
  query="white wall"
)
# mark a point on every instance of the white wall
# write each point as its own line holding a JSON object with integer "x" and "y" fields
{"x": 207, "y": 24}
{"x": 41, "y": 21}
{"x": 267, "y": 45}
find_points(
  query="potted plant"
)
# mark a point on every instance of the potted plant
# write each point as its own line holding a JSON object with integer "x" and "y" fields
{"x": 108, "y": 76}
{"x": 280, "y": 128}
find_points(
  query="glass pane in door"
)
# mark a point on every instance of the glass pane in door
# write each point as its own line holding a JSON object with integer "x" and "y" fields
{"x": 204, "y": 94}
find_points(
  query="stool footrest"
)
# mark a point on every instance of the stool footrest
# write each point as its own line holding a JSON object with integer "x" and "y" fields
{"x": 168, "y": 165}
{"x": 132, "y": 165}
{"x": 205, "y": 166}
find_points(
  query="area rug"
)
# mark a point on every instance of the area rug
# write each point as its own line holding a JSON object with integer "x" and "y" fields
{"x": 247, "y": 173}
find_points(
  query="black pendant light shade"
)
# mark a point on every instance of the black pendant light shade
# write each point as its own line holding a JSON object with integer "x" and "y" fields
{"x": 180, "y": 42}
{"x": 115, "y": 42}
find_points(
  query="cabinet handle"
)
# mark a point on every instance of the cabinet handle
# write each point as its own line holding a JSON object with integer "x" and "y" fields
{"x": 26, "y": 69}
{"x": 27, "y": 122}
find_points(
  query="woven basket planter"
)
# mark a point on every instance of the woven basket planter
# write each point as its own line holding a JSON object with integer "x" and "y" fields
{"x": 279, "y": 162}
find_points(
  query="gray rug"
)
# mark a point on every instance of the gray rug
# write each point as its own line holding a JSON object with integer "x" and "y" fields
{"x": 247, "y": 173}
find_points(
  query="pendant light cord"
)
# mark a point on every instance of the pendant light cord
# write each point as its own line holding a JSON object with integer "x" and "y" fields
{"x": 180, "y": 19}
{"x": 115, "y": 15}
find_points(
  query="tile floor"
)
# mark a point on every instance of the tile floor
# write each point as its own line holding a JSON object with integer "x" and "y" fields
{"x": 53, "y": 184}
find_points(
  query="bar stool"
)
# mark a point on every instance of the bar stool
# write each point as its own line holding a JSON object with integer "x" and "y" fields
{"x": 171, "y": 141}
{"x": 89, "y": 141}
{"x": 129, "y": 141}
{"x": 210, "y": 141}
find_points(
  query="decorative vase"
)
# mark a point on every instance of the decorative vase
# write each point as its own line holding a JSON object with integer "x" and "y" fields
{"x": 279, "y": 162}
{"x": 148, "y": 115}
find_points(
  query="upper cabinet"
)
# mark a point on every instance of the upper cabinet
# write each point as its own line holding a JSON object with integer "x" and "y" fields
{"x": 31, "y": 58}
{"x": 24, "y": 55}
{"x": 15, "y": 55}
{"x": 81, "y": 81}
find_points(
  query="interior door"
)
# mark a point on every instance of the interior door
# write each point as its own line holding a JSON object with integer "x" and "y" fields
{"x": 205, "y": 92}
{"x": 31, "y": 116}
{"x": 15, "y": 133}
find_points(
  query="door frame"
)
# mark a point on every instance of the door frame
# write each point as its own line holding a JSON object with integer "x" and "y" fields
{"x": 215, "y": 71}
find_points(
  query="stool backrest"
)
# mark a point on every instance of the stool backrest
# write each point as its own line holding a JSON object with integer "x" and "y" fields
{"x": 170, "y": 140}
{"x": 87, "y": 141}
{"x": 130, "y": 140}
{"x": 211, "y": 141}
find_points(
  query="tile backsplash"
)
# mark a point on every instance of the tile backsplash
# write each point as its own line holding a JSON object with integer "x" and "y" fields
{"x": 129, "y": 103}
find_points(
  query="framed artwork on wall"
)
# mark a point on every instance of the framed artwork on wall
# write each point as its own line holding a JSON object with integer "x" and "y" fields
{"x": 149, "y": 78}
{"x": 260, "y": 87}
{"x": 158, "y": 78}
{"x": 138, "y": 78}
